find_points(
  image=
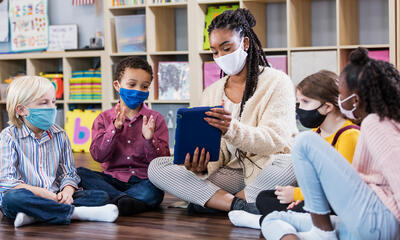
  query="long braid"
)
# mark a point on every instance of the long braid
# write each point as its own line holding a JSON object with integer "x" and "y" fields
{"x": 242, "y": 21}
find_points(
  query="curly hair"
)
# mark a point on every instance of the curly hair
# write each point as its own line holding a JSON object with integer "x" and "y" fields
{"x": 376, "y": 82}
{"x": 242, "y": 21}
{"x": 132, "y": 62}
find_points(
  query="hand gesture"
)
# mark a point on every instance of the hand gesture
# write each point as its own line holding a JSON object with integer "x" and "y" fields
{"x": 148, "y": 127}
{"x": 120, "y": 115}
{"x": 285, "y": 194}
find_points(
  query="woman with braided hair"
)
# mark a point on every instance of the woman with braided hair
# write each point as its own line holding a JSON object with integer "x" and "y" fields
{"x": 365, "y": 195}
{"x": 257, "y": 124}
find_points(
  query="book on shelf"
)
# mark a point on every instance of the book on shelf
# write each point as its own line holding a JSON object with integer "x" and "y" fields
{"x": 127, "y": 2}
{"x": 307, "y": 63}
{"x": 212, "y": 12}
{"x": 278, "y": 62}
{"x": 131, "y": 33}
{"x": 85, "y": 85}
{"x": 211, "y": 73}
{"x": 173, "y": 81}
{"x": 57, "y": 80}
{"x": 168, "y": 111}
{"x": 382, "y": 55}
{"x": 168, "y": 1}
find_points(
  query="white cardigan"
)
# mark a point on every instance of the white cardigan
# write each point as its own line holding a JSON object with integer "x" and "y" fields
{"x": 267, "y": 125}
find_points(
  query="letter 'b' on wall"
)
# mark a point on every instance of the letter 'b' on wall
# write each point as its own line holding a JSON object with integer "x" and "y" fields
{"x": 79, "y": 127}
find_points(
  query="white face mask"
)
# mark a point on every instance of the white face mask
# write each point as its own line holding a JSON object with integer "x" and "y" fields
{"x": 348, "y": 113}
{"x": 233, "y": 62}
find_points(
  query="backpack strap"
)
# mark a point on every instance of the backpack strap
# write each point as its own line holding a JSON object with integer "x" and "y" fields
{"x": 342, "y": 130}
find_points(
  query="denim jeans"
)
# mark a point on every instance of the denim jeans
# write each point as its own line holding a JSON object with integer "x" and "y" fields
{"x": 141, "y": 189}
{"x": 46, "y": 210}
{"x": 328, "y": 180}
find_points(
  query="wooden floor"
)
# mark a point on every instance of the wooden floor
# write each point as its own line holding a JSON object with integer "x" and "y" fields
{"x": 165, "y": 223}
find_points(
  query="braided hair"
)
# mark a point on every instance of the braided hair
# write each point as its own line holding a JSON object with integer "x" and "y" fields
{"x": 242, "y": 21}
{"x": 376, "y": 82}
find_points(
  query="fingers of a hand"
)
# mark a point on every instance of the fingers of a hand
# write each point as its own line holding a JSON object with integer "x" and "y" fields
{"x": 195, "y": 159}
{"x": 217, "y": 123}
{"x": 188, "y": 165}
{"x": 201, "y": 160}
{"x": 144, "y": 120}
{"x": 207, "y": 161}
{"x": 222, "y": 111}
{"x": 291, "y": 206}
{"x": 59, "y": 196}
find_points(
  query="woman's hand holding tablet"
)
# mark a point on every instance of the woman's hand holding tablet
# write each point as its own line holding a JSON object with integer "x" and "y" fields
{"x": 222, "y": 119}
{"x": 198, "y": 163}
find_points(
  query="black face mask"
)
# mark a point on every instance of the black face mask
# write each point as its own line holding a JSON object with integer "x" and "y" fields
{"x": 310, "y": 118}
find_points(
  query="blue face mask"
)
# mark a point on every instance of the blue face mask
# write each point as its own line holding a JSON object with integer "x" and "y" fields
{"x": 133, "y": 98}
{"x": 42, "y": 118}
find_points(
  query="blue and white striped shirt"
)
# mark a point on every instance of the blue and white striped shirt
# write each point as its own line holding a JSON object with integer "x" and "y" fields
{"x": 46, "y": 163}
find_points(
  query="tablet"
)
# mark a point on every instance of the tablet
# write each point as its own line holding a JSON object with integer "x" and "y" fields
{"x": 193, "y": 131}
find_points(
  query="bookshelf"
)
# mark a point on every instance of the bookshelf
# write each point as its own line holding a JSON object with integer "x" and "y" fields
{"x": 174, "y": 32}
{"x": 62, "y": 62}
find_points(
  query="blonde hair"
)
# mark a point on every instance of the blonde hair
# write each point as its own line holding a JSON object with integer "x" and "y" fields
{"x": 23, "y": 91}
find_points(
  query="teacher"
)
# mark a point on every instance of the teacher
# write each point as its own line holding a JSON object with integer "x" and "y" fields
{"x": 257, "y": 122}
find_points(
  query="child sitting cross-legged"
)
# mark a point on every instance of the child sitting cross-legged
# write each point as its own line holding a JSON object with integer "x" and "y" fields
{"x": 38, "y": 180}
{"x": 126, "y": 139}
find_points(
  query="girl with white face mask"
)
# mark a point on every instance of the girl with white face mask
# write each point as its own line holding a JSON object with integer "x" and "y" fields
{"x": 257, "y": 125}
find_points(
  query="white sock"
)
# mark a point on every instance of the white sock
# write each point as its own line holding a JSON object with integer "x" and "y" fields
{"x": 241, "y": 218}
{"x": 316, "y": 234}
{"x": 106, "y": 213}
{"x": 276, "y": 229}
{"x": 22, "y": 219}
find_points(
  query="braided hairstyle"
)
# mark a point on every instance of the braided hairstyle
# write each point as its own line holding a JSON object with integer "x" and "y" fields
{"x": 242, "y": 21}
{"x": 376, "y": 82}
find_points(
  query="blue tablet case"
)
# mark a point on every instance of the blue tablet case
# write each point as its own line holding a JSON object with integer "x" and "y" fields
{"x": 193, "y": 131}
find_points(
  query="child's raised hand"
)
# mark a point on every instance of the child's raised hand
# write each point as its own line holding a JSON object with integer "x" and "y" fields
{"x": 148, "y": 127}
{"x": 285, "y": 194}
{"x": 119, "y": 116}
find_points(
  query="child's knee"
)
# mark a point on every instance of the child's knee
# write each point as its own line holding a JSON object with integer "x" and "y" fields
{"x": 155, "y": 168}
{"x": 305, "y": 138}
{"x": 14, "y": 197}
{"x": 154, "y": 195}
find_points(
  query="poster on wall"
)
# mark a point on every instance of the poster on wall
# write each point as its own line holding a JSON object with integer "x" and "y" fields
{"x": 63, "y": 37}
{"x": 29, "y": 25}
{"x": 3, "y": 21}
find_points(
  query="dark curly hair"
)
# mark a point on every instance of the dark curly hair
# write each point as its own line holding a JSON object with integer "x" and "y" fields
{"x": 242, "y": 21}
{"x": 132, "y": 62}
{"x": 376, "y": 82}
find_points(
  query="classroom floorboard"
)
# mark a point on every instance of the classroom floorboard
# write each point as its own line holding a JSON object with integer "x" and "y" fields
{"x": 164, "y": 223}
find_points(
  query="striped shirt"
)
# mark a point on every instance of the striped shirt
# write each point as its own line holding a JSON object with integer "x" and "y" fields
{"x": 47, "y": 163}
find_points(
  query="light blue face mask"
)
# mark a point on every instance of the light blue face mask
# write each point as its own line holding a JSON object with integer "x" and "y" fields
{"x": 42, "y": 118}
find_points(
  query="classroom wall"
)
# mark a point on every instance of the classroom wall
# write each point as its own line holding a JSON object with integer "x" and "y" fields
{"x": 62, "y": 12}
